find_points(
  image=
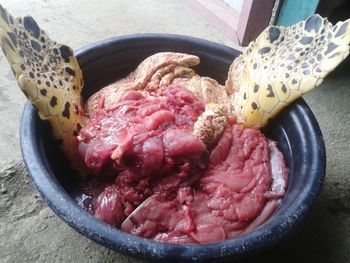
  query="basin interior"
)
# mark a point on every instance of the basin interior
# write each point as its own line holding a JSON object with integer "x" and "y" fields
{"x": 295, "y": 129}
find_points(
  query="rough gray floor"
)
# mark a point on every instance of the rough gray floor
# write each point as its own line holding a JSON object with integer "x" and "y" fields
{"x": 30, "y": 232}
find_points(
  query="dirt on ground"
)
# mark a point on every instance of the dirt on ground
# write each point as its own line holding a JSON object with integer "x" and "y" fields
{"x": 31, "y": 232}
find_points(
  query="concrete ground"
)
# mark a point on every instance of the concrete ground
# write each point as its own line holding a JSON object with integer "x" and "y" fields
{"x": 31, "y": 232}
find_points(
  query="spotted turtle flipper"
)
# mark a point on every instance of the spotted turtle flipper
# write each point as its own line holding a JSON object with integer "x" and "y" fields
{"x": 49, "y": 75}
{"x": 282, "y": 64}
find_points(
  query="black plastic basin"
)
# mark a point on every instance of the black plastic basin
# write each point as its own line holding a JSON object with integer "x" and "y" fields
{"x": 295, "y": 129}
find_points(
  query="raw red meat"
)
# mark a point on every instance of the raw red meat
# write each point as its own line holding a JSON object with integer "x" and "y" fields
{"x": 146, "y": 134}
{"x": 167, "y": 185}
{"x": 143, "y": 140}
{"x": 231, "y": 197}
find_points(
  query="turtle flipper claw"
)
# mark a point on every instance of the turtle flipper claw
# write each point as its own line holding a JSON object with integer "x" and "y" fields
{"x": 48, "y": 74}
{"x": 282, "y": 64}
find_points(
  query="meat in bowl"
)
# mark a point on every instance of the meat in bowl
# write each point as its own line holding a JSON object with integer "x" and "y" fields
{"x": 195, "y": 162}
{"x": 166, "y": 183}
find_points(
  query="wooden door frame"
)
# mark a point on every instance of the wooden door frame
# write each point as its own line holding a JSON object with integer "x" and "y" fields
{"x": 241, "y": 28}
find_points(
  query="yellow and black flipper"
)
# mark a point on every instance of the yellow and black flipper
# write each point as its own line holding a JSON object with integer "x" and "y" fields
{"x": 282, "y": 64}
{"x": 49, "y": 75}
